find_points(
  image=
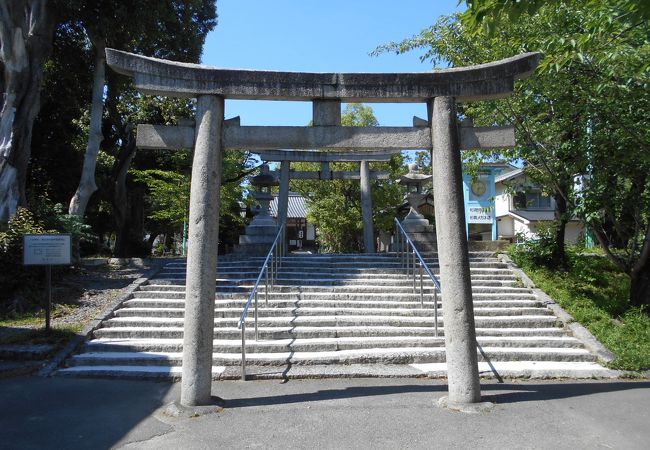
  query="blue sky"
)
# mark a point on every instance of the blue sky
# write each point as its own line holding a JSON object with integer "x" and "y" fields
{"x": 318, "y": 36}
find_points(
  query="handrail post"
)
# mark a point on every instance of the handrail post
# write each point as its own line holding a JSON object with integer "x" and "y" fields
{"x": 243, "y": 351}
{"x": 435, "y": 307}
{"x": 266, "y": 290}
{"x": 271, "y": 264}
{"x": 404, "y": 252}
{"x": 406, "y": 246}
{"x": 405, "y": 256}
{"x": 421, "y": 288}
{"x": 257, "y": 337}
{"x": 413, "y": 270}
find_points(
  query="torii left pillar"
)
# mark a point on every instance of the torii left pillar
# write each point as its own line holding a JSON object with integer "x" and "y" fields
{"x": 283, "y": 197}
{"x": 366, "y": 208}
{"x": 203, "y": 247}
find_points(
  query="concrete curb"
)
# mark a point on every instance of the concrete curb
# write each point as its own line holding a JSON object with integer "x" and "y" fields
{"x": 79, "y": 339}
{"x": 578, "y": 331}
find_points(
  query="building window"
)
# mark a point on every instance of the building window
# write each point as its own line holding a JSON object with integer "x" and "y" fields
{"x": 531, "y": 200}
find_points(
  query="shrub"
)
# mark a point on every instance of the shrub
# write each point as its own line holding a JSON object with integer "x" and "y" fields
{"x": 74, "y": 226}
{"x": 14, "y": 277}
{"x": 535, "y": 250}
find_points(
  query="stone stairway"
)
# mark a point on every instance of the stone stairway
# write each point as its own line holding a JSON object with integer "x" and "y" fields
{"x": 335, "y": 316}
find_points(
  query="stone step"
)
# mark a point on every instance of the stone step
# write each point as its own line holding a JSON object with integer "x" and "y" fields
{"x": 318, "y": 265}
{"x": 505, "y": 369}
{"x": 25, "y": 352}
{"x": 162, "y": 302}
{"x": 322, "y": 344}
{"x": 257, "y": 262}
{"x": 223, "y": 312}
{"x": 332, "y": 315}
{"x": 355, "y": 356}
{"x": 305, "y": 332}
{"x": 330, "y": 296}
{"x": 325, "y": 276}
{"x": 363, "y": 288}
{"x": 179, "y": 293}
{"x": 353, "y": 272}
{"x": 329, "y": 321}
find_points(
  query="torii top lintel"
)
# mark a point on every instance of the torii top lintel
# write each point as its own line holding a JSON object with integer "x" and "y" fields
{"x": 175, "y": 79}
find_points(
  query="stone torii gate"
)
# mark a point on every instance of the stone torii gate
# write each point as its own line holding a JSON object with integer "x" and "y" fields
{"x": 285, "y": 157}
{"x": 439, "y": 89}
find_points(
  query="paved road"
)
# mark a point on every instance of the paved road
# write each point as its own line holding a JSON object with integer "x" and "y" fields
{"x": 356, "y": 413}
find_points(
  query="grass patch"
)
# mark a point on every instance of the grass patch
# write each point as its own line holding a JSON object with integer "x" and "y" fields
{"x": 57, "y": 337}
{"x": 595, "y": 292}
{"x": 29, "y": 328}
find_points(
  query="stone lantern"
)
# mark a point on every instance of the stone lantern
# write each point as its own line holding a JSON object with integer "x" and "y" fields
{"x": 263, "y": 183}
{"x": 414, "y": 180}
{"x": 261, "y": 232}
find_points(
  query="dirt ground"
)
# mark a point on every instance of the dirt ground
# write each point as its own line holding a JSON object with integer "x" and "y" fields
{"x": 78, "y": 296}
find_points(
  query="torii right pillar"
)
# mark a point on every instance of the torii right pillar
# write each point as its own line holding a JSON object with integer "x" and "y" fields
{"x": 458, "y": 309}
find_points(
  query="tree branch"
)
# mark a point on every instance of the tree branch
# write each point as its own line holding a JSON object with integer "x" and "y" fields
{"x": 241, "y": 175}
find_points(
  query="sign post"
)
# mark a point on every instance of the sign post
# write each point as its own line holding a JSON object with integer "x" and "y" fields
{"x": 47, "y": 250}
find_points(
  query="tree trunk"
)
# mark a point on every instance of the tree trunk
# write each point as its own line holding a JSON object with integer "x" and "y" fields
{"x": 150, "y": 240}
{"x": 640, "y": 275}
{"x": 561, "y": 219}
{"x": 26, "y": 34}
{"x": 120, "y": 198}
{"x": 87, "y": 185}
{"x": 640, "y": 288}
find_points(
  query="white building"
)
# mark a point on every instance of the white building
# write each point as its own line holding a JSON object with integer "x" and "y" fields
{"x": 520, "y": 207}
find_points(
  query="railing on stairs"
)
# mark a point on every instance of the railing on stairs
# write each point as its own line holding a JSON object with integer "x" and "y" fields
{"x": 408, "y": 255}
{"x": 269, "y": 272}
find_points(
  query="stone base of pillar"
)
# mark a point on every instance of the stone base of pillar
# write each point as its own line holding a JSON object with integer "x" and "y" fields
{"x": 468, "y": 408}
{"x": 257, "y": 241}
{"x": 176, "y": 410}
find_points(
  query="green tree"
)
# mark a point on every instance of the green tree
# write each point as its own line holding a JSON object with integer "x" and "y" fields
{"x": 120, "y": 26}
{"x": 582, "y": 114}
{"x": 26, "y": 34}
{"x": 68, "y": 129}
{"x": 335, "y": 206}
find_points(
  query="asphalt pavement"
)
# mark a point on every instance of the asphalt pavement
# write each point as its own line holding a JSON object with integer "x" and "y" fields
{"x": 397, "y": 413}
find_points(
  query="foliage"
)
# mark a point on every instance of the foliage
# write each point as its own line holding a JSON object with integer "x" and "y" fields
{"x": 583, "y": 113}
{"x": 489, "y": 14}
{"x": 595, "y": 292}
{"x": 335, "y": 206}
{"x": 538, "y": 250}
{"x": 168, "y": 196}
{"x": 18, "y": 282}
{"x": 13, "y": 275}
{"x": 57, "y": 219}
{"x": 174, "y": 30}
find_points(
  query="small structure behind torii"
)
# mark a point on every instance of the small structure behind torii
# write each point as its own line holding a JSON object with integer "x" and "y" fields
{"x": 439, "y": 89}
{"x": 285, "y": 157}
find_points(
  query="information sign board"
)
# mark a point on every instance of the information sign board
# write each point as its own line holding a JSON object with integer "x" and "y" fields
{"x": 479, "y": 214}
{"x": 47, "y": 250}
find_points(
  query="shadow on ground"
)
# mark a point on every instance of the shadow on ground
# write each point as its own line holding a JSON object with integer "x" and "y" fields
{"x": 63, "y": 413}
{"x": 497, "y": 393}
{"x": 76, "y": 413}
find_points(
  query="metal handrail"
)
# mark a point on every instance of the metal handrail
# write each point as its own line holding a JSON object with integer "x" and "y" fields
{"x": 403, "y": 241}
{"x": 272, "y": 263}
